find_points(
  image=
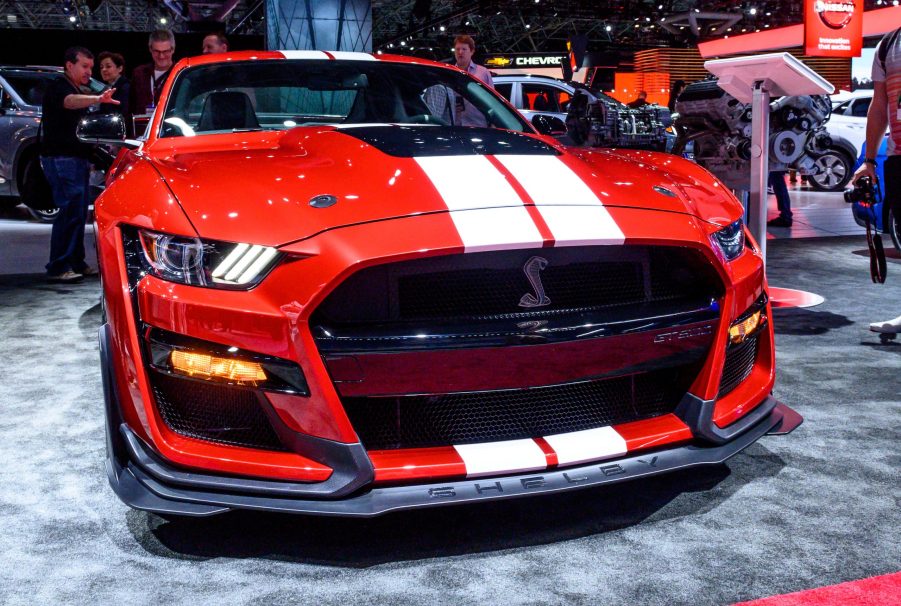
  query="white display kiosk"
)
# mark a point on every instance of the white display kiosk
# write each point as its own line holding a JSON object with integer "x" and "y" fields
{"x": 755, "y": 80}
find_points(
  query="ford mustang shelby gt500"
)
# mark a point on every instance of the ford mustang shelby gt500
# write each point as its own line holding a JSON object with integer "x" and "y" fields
{"x": 346, "y": 284}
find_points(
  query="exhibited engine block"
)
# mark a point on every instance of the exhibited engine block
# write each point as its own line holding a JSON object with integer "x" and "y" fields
{"x": 608, "y": 123}
{"x": 720, "y": 128}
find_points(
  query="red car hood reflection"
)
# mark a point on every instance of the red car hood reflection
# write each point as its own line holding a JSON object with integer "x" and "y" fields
{"x": 257, "y": 187}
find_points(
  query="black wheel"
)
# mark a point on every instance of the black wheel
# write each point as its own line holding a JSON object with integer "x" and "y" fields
{"x": 834, "y": 171}
{"x": 894, "y": 229}
{"x": 34, "y": 191}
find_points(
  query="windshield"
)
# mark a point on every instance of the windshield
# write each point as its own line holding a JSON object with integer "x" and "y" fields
{"x": 277, "y": 95}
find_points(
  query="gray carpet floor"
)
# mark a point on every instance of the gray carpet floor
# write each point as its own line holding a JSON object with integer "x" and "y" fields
{"x": 817, "y": 507}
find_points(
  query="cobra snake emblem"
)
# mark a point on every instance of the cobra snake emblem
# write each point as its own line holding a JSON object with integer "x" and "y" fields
{"x": 532, "y": 269}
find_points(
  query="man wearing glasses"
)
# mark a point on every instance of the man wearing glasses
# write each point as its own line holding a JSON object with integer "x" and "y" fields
{"x": 147, "y": 80}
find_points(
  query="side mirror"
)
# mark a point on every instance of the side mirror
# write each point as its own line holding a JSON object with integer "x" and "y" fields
{"x": 105, "y": 129}
{"x": 541, "y": 124}
{"x": 548, "y": 125}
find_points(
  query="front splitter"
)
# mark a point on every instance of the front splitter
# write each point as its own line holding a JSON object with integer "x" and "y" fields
{"x": 139, "y": 484}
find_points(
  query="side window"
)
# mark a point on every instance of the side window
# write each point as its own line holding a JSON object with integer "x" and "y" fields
{"x": 841, "y": 108}
{"x": 505, "y": 89}
{"x": 542, "y": 98}
{"x": 30, "y": 88}
{"x": 6, "y": 101}
{"x": 861, "y": 107}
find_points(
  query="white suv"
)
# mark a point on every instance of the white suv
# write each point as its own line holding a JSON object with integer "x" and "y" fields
{"x": 539, "y": 95}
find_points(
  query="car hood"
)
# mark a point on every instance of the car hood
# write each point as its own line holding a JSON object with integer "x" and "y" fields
{"x": 275, "y": 188}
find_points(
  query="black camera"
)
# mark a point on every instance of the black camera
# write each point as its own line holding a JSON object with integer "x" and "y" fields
{"x": 862, "y": 192}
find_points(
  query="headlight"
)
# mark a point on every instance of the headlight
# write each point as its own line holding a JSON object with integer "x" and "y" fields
{"x": 730, "y": 240}
{"x": 208, "y": 263}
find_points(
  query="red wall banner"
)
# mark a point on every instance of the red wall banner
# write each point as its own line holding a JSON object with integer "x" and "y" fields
{"x": 833, "y": 28}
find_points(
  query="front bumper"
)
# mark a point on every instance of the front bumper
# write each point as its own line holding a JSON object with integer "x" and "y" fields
{"x": 143, "y": 481}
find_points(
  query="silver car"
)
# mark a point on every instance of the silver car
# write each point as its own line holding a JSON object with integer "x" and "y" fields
{"x": 21, "y": 178}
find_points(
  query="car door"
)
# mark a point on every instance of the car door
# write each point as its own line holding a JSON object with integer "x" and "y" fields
{"x": 539, "y": 98}
{"x": 7, "y": 107}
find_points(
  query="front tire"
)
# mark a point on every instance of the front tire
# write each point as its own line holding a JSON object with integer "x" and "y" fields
{"x": 835, "y": 171}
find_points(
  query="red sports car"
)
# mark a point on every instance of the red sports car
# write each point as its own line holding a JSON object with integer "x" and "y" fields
{"x": 346, "y": 284}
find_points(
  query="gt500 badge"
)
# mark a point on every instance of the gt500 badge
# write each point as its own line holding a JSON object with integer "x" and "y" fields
{"x": 669, "y": 337}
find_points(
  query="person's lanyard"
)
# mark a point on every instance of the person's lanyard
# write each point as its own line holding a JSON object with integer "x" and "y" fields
{"x": 156, "y": 85}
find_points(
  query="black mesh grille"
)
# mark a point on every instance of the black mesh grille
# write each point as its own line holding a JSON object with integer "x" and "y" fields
{"x": 739, "y": 363}
{"x": 482, "y": 286}
{"x": 487, "y": 292}
{"x": 216, "y": 413}
{"x": 420, "y": 421}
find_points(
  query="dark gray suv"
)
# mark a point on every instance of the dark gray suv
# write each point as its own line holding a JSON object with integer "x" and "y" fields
{"x": 21, "y": 178}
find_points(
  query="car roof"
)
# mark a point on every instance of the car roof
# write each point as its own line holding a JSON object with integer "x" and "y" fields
{"x": 33, "y": 68}
{"x": 314, "y": 55}
{"x": 844, "y": 95}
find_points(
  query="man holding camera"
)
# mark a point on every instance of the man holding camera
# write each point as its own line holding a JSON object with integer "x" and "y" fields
{"x": 885, "y": 110}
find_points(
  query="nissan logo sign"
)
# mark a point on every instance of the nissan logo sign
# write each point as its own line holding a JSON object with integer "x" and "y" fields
{"x": 835, "y": 14}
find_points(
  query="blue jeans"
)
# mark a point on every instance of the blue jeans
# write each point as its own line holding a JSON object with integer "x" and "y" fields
{"x": 783, "y": 202}
{"x": 69, "y": 181}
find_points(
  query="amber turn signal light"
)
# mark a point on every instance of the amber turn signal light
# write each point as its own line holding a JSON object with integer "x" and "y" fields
{"x": 739, "y": 331}
{"x": 206, "y": 366}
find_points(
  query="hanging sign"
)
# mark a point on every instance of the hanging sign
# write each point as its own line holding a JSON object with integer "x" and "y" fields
{"x": 833, "y": 28}
{"x": 521, "y": 61}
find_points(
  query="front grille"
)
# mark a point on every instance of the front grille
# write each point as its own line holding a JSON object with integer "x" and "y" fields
{"x": 216, "y": 413}
{"x": 738, "y": 365}
{"x": 467, "y": 418}
{"x": 490, "y": 292}
{"x": 489, "y": 285}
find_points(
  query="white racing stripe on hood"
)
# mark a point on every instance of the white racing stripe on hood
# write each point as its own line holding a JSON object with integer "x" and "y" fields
{"x": 495, "y": 217}
{"x": 571, "y": 210}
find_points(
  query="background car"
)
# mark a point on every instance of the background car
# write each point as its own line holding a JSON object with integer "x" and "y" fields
{"x": 545, "y": 102}
{"x": 539, "y": 95}
{"x": 21, "y": 178}
{"x": 847, "y": 129}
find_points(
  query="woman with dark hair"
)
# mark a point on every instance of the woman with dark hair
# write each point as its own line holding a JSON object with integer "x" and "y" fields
{"x": 111, "y": 67}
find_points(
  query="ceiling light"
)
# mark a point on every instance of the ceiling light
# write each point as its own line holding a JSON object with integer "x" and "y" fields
{"x": 163, "y": 21}
{"x": 753, "y": 11}
{"x": 72, "y": 18}
{"x": 609, "y": 28}
{"x": 442, "y": 28}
